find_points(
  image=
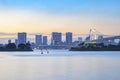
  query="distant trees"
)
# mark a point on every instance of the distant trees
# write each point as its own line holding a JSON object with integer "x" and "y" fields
{"x": 24, "y": 46}
{"x": 28, "y": 45}
{"x": 101, "y": 44}
{"x": 1, "y": 47}
{"x": 21, "y": 46}
{"x": 119, "y": 42}
{"x": 11, "y": 46}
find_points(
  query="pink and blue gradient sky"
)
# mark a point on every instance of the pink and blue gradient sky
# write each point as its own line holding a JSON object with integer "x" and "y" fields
{"x": 46, "y": 16}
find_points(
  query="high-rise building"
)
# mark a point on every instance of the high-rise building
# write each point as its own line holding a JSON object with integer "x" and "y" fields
{"x": 80, "y": 39}
{"x": 9, "y": 41}
{"x": 22, "y": 37}
{"x": 16, "y": 42}
{"x": 69, "y": 38}
{"x": 56, "y": 38}
{"x": 45, "y": 40}
{"x": 100, "y": 37}
{"x": 38, "y": 40}
{"x": 87, "y": 38}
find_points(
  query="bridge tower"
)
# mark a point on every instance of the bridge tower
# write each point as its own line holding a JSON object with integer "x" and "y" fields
{"x": 93, "y": 34}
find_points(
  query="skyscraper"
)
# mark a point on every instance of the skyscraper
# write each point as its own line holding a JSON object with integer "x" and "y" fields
{"x": 56, "y": 38}
{"x": 16, "y": 42}
{"x": 22, "y": 37}
{"x": 45, "y": 40}
{"x": 69, "y": 38}
{"x": 9, "y": 41}
{"x": 87, "y": 38}
{"x": 80, "y": 39}
{"x": 100, "y": 37}
{"x": 38, "y": 40}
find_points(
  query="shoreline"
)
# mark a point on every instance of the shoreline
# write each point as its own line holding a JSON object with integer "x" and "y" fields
{"x": 15, "y": 50}
{"x": 94, "y": 49}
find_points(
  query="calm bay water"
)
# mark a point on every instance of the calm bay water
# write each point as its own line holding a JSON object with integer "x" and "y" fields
{"x": 59, "y": 65}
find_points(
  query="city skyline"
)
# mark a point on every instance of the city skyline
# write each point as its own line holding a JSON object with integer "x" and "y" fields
{"x": 56, "y": 41}
{"x": 31, "y": 36}
{"x": 46, "y": 16}
{"x": 23, "y": 37}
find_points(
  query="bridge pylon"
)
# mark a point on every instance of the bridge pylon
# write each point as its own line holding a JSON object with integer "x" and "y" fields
{"x": 94, "y": 34}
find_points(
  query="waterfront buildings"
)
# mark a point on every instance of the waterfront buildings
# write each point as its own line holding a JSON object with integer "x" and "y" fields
{"x": 80, "y": 39}
{"x": 42, "y": 42}
{"x": 56, "y": 38}
{"x": 100, "y": 37}
{"x": 45, "y": 40}
{"x": 87, "y": 38}
{"x": 16, "y": 42}
{"x": 69, "y": 38}
{"x": 38, "y": 40}
{"x": 22, "y": 37}
{"x": 9, "y": 41}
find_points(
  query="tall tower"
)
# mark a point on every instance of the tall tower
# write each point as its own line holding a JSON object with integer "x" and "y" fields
{"x": 9, "y": 41}
{"x": 56, "y": 38}
{"x": 38, "y": 40}
{"x": 80, "y": 39}
{"x": 16, "y": 42}
{"x": 69, "y": 38}
{"x": 45, "y": 40}
{"x": 22, "y": 37}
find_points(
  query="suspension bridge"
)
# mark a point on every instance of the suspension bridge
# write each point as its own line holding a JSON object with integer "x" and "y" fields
{"x": 97, "y": 37}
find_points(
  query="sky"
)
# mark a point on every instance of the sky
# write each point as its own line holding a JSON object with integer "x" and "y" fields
{"x": 46, "y": 16}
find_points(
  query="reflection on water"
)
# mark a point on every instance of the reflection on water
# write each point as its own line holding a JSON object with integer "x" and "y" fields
{"x": 59, "y": 65}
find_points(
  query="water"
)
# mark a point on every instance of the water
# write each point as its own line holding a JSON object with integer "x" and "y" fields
{"x": 59, "y": 65}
